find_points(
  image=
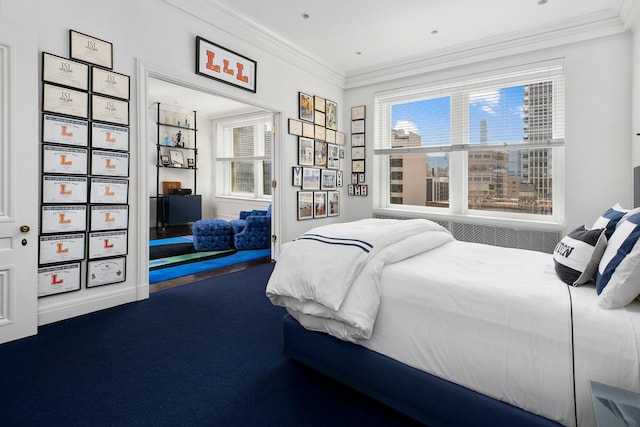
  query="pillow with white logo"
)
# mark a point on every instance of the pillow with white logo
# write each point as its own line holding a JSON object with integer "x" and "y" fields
{"x": 577, "y": 255}
{"x": 618, "y": 278}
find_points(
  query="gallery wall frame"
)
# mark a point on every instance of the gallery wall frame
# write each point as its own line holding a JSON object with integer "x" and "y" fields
{"x": 110, "y": 83}
{"x": 65, "y": 72}
{"x": 90, "y": 49}
{"x": 57, "y": 279}
{"x": 63, "y": 218}
{"x": 65, "y": 130}
{"x": 65, "y": 101}
{"x": 106, "y": 271}
{"x": 219, "y": 63}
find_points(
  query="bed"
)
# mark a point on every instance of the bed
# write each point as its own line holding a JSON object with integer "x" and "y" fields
{"x": 451, "y": 332}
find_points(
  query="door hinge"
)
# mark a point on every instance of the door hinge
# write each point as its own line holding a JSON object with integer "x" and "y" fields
{"x": 274, "y": 238}
{"x": 274, "y": 183}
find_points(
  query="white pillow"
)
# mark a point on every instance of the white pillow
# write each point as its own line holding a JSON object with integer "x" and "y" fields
{"x": 618, "y": 279}
{"x": 577, "y": 255}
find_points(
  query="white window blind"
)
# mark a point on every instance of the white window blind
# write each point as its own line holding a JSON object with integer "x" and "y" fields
{"x": 506, "y": 108}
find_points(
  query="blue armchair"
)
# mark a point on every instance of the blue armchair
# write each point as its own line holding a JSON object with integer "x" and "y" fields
{"x": 252, "y": 230}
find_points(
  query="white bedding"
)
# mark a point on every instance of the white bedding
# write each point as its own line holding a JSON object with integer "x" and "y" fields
{"x": 498, "y": 321}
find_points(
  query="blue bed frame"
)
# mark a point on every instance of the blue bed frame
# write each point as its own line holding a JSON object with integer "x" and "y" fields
{"x": 426, "y": 398}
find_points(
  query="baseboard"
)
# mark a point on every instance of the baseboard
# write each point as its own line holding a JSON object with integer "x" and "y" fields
{"x": 77, "y": 307}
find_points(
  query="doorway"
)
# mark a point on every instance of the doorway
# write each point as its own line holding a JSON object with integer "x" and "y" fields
{"x": 210, "y": 109}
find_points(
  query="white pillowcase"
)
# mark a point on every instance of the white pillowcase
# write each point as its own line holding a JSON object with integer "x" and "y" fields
{"x": 618, "y": 278}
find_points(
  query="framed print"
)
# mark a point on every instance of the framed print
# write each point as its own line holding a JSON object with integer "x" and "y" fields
{"x": 109, "y": 217}
{"x": 296, "y": 177}
{"x": 361, "y": 177}
{"x": 339, "y": 175}
{"x": 357, "y": 153}
{"x": 62, "y": 130}
{"x": 62, "y": 100}
{"x": 320, "y": 154}
{"x": 357, "y": 140}
{"x": 354, "y": 178}
{"x": 64, "y": 189}
{"x": 305, "y": 107}
{"x": 106, "y": 271}
{"x": 90, "y": 49}
{"x": 333, "y": 156}
{"x": 308, "y": 130}
{"x": 358, "y": 113}
{"x": 107, "y": 243}
{"x": 65, "y": 72}
{"x": 339, "y": 138}
{"x": 327, "y": 179}
{"x": 319, "y": 133}
{"x": 177, "y": 159}
{"x": 109, "y": 136}
{"x": 109, "y": 163}
{"x": 330, "y": 136}
{"x": 319, "y": 103}
{"x": 351, "y": 190}
{"x": 364, "y": 189}
{"x": 58, "y": 279}
{"x": 191, "y": 163}
{"x": 319, "y": 118}
{"x": 357, "y": 166}
{"x": 310, "y": 178}
{"x": 295, "y": 127}
{"x": 109, "y": 191}
{"x": 164, "y": 159}
{"x": 63, "y": 219}
{"x": 106, "y": 82}
{"x": 341, "y": 153}
{"x": 109, "y": 110}
{"x": 357, "y": 126}
{"x": 61, "y": 248}
{"x": 305, "y": 205}
{"x": 319, "y": 204}
{"x": 332, "y": 115}
{"x": 305, "y": 151}
{"x": 67, "y": 160}
{"x": 334, "y": 203}
{"x": 213, "y": 61}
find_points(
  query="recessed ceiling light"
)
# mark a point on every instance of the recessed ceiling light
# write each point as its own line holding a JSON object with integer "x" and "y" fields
{"x": 434, "y": 32}
{"x": 358, "y": 53}
{"x": 541, "y": 2}
{"x": 305, "y": 15}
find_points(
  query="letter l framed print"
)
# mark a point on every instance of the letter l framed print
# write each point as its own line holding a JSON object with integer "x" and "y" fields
{"x": 216, "y": 62}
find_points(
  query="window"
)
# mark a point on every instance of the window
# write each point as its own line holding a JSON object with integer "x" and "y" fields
{"x": 490, "y": 146}
{"x": 244, "y": 157}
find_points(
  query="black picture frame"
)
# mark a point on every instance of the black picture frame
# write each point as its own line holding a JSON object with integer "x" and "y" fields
{"x": 305, "y": 205}
{"x": 305, "y": 107}
{"x": 90, "y": 49}
{"x": 65, "y": 72}
{"x": 243, "y": 75}
{"x": 110, "y": 83}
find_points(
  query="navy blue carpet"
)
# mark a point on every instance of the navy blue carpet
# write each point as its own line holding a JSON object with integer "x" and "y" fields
{"x": 203, "y": 354}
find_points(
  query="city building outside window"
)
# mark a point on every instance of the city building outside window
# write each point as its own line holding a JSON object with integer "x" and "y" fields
{"x": 244, "y": 148}
{"x": 490, "y": 146}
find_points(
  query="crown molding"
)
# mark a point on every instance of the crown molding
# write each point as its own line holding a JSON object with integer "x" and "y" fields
{"x": 240, "y": 27}
{"x": 567, "y": 32}
{"x": 630, "y": 14}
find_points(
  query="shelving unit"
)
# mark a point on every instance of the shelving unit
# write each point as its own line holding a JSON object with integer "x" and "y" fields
{"x": 176, "y": 208}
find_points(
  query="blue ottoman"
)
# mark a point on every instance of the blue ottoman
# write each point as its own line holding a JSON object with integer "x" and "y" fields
{"x": 211, "y": 235}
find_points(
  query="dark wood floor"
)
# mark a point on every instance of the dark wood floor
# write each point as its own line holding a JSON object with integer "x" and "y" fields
{"x": 183, "y": 230}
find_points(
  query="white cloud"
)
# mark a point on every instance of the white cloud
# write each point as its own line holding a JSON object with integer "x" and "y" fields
{"x": 488, "y": 100}
{"x": 407, "y": 126}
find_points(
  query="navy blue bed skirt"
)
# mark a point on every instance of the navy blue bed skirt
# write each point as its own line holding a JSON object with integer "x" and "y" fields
{"x": 426, "y": 398}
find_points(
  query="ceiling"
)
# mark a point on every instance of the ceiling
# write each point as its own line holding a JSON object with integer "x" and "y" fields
{"x": 349, "y": 36}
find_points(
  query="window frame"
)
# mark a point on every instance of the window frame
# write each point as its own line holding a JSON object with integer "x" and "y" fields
{"x": 225, "y": 158}
{"x": 459, "y": 91}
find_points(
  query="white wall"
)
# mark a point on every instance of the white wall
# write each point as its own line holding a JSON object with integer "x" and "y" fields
{"x": 598, "y": 165}
{"x": 161, "y": 36}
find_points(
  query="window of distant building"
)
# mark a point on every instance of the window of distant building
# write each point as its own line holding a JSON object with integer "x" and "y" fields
{"x": 474, "y": 147}
{"x": 244, "y": 157}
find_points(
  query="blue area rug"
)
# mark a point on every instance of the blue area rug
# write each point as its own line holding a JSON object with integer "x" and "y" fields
{"x": 162, "y": 274}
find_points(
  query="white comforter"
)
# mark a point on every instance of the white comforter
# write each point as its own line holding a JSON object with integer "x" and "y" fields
{"x": 329, "y": 278}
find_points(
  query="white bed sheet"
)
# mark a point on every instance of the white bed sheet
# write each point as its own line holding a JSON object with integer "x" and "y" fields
{"x": 498, "y": 321}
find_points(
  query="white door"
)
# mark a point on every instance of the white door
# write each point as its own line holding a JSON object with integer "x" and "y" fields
{"x": 19, "y": 124}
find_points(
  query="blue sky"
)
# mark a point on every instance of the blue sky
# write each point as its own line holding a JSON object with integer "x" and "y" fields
{"x": 430, "y": 118}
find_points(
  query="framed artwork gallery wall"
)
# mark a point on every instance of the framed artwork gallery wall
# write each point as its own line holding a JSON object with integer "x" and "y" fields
{"x": 85, "y": 168}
